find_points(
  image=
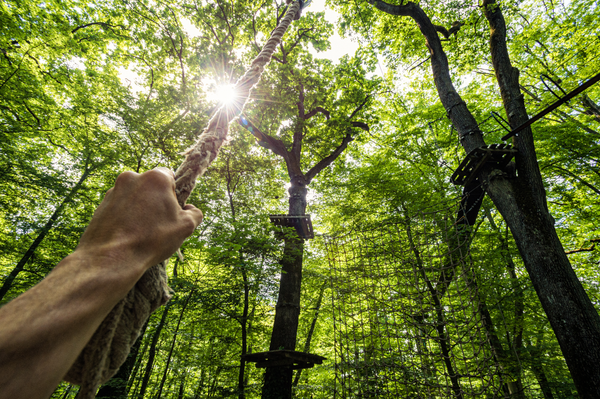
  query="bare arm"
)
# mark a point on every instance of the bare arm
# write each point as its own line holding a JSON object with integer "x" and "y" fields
{"x": 42, "y": 332}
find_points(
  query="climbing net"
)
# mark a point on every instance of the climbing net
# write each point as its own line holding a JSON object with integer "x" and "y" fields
{"x": 407, "y": 312}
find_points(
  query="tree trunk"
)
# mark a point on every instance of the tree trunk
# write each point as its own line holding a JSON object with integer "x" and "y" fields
{"x": 443, "y": 337}
{"x": 42, "y": 234}
{"x": 164, "y": 377}
{"x": 521, "y": 199}
{"x": 278, "y": 380}
{"x": 244, "y": 323}
{"x": 538, "y": 370}
{"x": 137, "y": 365}
{"x": 116, "y": 387}
{"x": 152, "y": 351}
{"x": 522, "y": 203}
{"x": 312, "y": 328}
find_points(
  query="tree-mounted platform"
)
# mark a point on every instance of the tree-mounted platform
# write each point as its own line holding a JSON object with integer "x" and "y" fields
{"x": 284, "y": 358}
{"x": 301, "y": 223}
{"x": 499, "y": 155}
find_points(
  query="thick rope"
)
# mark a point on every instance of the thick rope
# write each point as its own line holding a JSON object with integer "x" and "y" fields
{"x": 111, "y": 343}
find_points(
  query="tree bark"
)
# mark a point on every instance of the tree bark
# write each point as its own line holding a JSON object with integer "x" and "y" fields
{"x": 152, "y": 351}
{"x": 312, "y": 329}
{"x": 522, "y": 200}
{"x": 278, "y": 380}
{"x": 42, "y": 234}
{"x": 538, "y": 370}
{"x": 164, "y": 377}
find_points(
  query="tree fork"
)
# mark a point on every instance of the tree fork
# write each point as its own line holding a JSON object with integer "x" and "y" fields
{"x": 522, "y": 201}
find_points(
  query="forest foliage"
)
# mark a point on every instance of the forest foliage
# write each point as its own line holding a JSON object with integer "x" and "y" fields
{"x": 89, "y": 89}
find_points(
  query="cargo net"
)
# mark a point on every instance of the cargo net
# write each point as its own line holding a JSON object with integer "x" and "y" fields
{"x": 407, "y": 317}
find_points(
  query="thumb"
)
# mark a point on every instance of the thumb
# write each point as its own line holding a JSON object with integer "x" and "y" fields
{"x": 195, "y": 213}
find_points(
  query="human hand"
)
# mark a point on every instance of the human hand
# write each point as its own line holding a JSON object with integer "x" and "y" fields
{"x": 140, "y": 220}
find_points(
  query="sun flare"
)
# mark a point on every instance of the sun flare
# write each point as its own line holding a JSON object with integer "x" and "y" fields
{"x": 225, "y": 94}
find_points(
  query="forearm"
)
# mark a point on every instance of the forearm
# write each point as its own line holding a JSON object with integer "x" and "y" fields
{"x": 138, "y": 224}
{"x": 43, "y": 331}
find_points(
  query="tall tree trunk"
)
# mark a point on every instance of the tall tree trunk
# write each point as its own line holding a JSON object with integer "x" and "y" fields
{"x": 137, "y": 365}
{"x": 67, "y": 391}
{"x": 538, "y": 370}
{"x": 152, "y": 351}
{"x": 278, "y": 380}
{"x": 164, "y": 377}
{"x": 510, "y": 364}
{"x": 522, "y": 203}
{"x": 42, "y": 234}
{"x": 116, "y": 387}
{"x": 521, "y": 199}
{"x": 231, "y": 186}
{"x": 312, "y": 328}
{"x": 436, "y": 296}
{"x": 244, "y": 325}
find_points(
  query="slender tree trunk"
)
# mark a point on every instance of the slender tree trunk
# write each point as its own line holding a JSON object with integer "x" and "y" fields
{"x": 152, "y": 351}
{"x": 509, "y": 363}
{"x": 164, "y": 377}
{"x": 137, "y": 365}
{"x": 67, "y": 391}
{"x": 231, "y": 186}
{"x": 116, "y": 387}
{"x": 278, "y": 380}
{"x": 312, "y": 328}
{"x": 244, "y": 323}
{"x": 41, "y": 235}
{"x": 538, "y": 371}
{"x": 440, "y": 325}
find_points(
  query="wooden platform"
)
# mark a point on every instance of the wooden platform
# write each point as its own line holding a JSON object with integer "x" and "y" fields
{"x": 284, "y": 358}
{"x": 497, "y": 154}
{"x": 302, "y": 224}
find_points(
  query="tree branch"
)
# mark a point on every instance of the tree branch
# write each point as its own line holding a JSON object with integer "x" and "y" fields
{"x": 456, "y": 25}
{"x": 103, "y": 24}
{"x": 264, "y": 140}
{"x": 359, "y": 108}
{"x": 297, "y": 139}
{"x": 361, "y": 125}
{"x": 325, "y": 162}
{"x": 456, "y": 108}
{"x": 315, "y": 111}
{"x": 591, "y": 248}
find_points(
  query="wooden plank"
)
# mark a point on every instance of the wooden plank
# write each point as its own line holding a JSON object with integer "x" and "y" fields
{"x": 497, "y": 154}
{"x": 302, "y": 224}
{"x": 284, "y": 355}
{"x": 274, "y": 363}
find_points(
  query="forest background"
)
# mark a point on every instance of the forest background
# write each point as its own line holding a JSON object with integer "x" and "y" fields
{"x": 89, "y": 89}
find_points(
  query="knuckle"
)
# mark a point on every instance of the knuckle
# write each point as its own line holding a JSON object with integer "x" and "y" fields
{"x": 126, "y": 177}
{"x": 159, "y": 178}
{"x": 188, "y": 225}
